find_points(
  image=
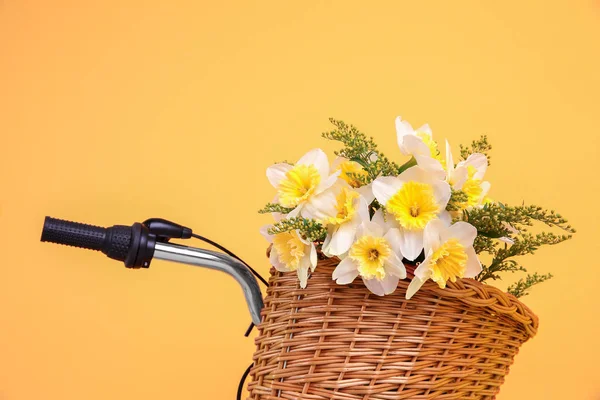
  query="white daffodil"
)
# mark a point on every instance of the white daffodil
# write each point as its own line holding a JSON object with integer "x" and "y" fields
{"x": 419, "y": 143}
{"x": 474, "y": 186}
{"x": 290, "y": 252}
{"x": 413, "y": 199}
{"x": 297, "y": 184}
{"x": 449, "y": 255}
{"x": 376, "y": 257}
{"x": 342, "y": 209}
{"x": 415, "y": 142}
{"x": 467, "y": 175}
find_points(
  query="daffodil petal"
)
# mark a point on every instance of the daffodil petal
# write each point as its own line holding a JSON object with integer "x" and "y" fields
{"x": 322, "y": 206}
{"x": 414, "y": 145}
{"x": 485, "y": 188}
{"x": 328, "y": 182}
{"x": 367, "y": 193}
{"x": 372, "y": 229}
{"x": 464, "y": 232}
{"x": 411, "y": 244}
{"x": 449, "y": 159}
{"x": 337, "y": 162}
{"x": 303, "y": 277}
{"x": 459, "y": 177}
{"x": 342, "y": 238}
{"x": 389, "y": 284}
{"x": 318, "y": 158}
{"x": 441, "y": 193}
{"x": 313, "y": 257}
{"x": 403, "y": 127}
{"x": 346, "y": 266}
{"x": 374, "y": 286}
{"x": 385, "y": 187}
{"x": 296, "y": 211}
{"x": 506, "y": 239}
{"x": 479, "y": 162}
{"x": 425, "y": 128}
{"x": 347, "y": 278}
{"x": 264, "y": 230}
{"x": 413, "y": 287}
{"x": 422, "y": 271}
{"x": 473, "y": 264}
{"x": 387, "y": 221}
{"x": 432, "y": 165}
{"x": 274, "y": 259}
{"x": 394, "y": 266}
{"x": 415, "y": 173}
{"x": 394, "y": 237}
{"x": 363, "y": 209}
{"x": 445, "y": 217}
{"x": 276, "y": 173}
{"x": 431, "y": 235}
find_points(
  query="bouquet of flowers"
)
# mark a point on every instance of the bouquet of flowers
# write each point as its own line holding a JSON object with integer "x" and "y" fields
{"x": 378, "y": 216}
{"x": 377, "y": 290}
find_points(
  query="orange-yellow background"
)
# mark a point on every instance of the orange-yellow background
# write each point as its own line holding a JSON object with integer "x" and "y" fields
{"x": 115, "y": 111}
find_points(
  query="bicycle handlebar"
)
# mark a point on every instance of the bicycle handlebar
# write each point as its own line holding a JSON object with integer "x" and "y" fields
{"x": 115, "y": 241}
{"x": 137, "y": 244}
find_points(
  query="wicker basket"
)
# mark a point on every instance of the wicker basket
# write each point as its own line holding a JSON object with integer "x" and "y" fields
{"x": 342, "y": 342}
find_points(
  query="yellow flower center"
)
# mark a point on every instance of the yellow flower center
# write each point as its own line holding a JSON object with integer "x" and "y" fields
{"x": 472, "y": 188}
{"x": 290, "y": 249}
{"x": 344, "y": 206}
{"x": 351, "y": 171}
{"x": 429, "y": 142}
{"x": 449, "y": 261}
{"x": 298, "y": 185}
{"x": 370, "y": 253}
{"x": 413, "y": 205}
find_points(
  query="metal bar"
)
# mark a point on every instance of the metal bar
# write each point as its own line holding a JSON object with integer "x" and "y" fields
{"x": 219, "y": 261}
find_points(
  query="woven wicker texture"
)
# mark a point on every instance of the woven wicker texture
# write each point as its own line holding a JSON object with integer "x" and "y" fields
{"x": 342, "y": 342}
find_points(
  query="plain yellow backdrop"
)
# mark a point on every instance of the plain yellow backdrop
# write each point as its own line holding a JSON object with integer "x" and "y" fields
{"x": 115, "y": 111}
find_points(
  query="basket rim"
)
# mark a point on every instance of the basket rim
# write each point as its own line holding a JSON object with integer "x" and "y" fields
{"x": 466, "y": 290}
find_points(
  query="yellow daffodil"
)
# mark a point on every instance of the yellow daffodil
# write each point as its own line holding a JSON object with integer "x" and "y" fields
{"x": 468, "y": 177}
{"x": 341, "y": 209}
{"x": 290, "y": 252}
{"x": 298, "y": 184}
{"x": 412, "y": 200}
{"x": 375, "y": 256}
{"x": 350, "y": 171}
{"x": 449, "y": 255}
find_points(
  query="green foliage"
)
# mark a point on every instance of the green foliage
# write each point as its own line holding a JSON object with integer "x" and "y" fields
{"x": 361, "y": 149}
{"x": 503, "y": 261}
{"x": 495, "y": 221}
{"x": 308, "y": 228}
{"x": 521, "y": 287}
{"x": 274, "y": 208}
{"x": 457, "y": 199}
{"x": 480, "y": 145}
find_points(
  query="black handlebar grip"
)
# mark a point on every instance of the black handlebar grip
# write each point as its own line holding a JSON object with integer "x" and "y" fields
{"x": 115, "y": 241}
